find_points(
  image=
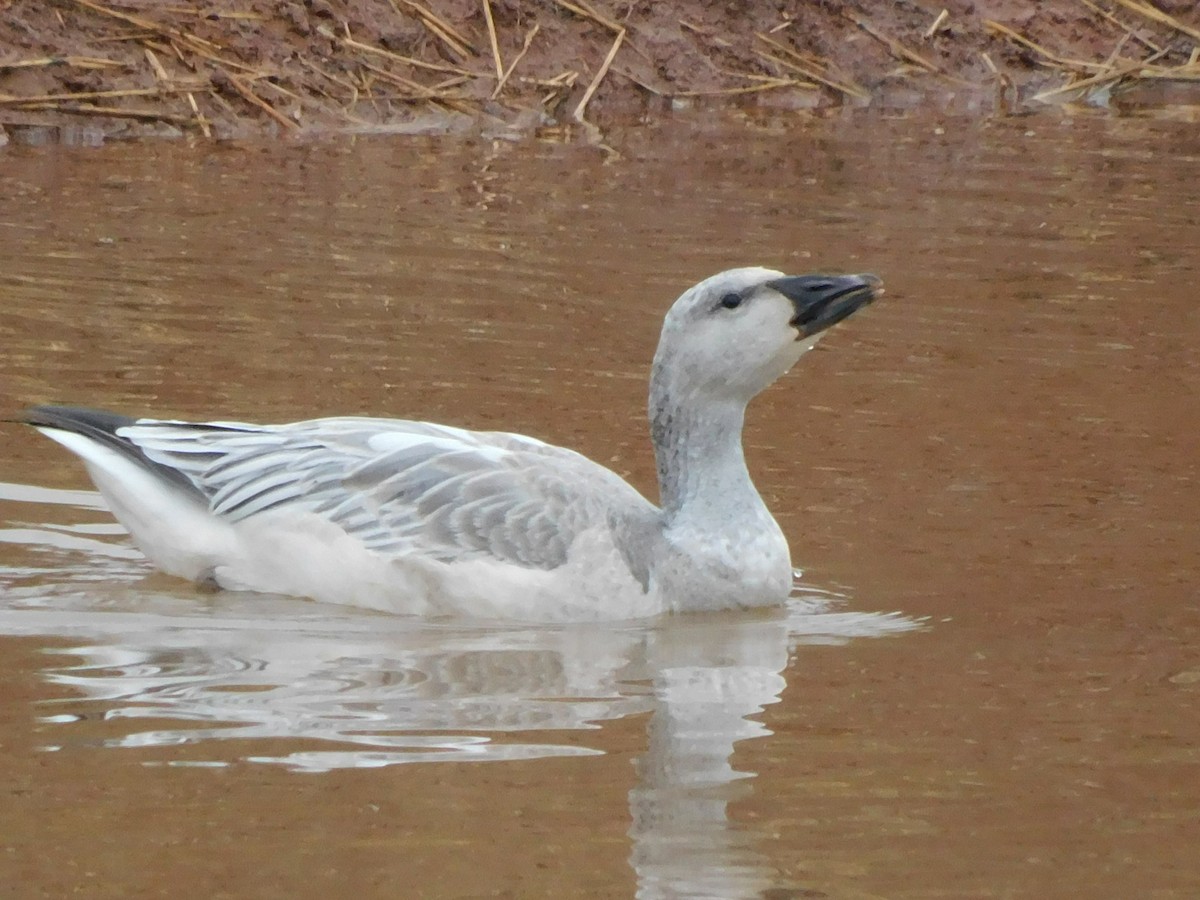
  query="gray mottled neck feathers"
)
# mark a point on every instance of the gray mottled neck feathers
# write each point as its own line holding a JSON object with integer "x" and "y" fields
{"x": 698, "y": 450}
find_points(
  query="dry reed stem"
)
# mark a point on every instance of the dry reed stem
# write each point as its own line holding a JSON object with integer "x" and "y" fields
{"x": 11, "y": 100}
{"x": 148, "y": 25}
{"x": 328, "y": 32}
{"x": 520, "y": 56}
{"x": 224, "y": 104}
{"x": 762, "y": 54}
{"x": 587, "y": 95}
{"x": 562, "y": 79}
{"x": 1180, "y": 73}
{"x": 214, "y": 14}
{"x": 341, "y": 82}
{"x": 78, "y": 62}
{"x": 1157, "y": 15}
{"x": 1115, "y": 56}
{"x": 1018, "y": 38}
{"x": 160, "y": 74}
{"x": 454, "y": 39}
{"x": 212, "y": 57}
{"x": 1104, "y": 13}
{"x": 171, "y": 47}
{"x": 768, "y": 85}
{"x": 611, "y": 24}
{"x": 1115, "y": 73}
{"x": 120, "y": 38}
{"x": 449, "y": 83}
{"x": 194, "y": 43}
{"x": 645, "y": 86}
{"x": 495, "y": 42}
{"x": 421, "y": 92}
{"x": 112, "y": 112}
{"x": 896, "y": 48}
{"x": 583, "y": 10}
{"x": 200, "y": 120}
{"x": 144, "y": 24}
{"x": 754, "y": 76}
{"x": 320, "y": 91}
{"x": 250, "y": 97}
{"x": 279, "y": 88}
{"x": 937, "y": 24}
{"x": 801, "y": 65}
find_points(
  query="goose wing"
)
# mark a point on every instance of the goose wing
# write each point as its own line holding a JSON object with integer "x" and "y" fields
{"x": 400, "y": 486}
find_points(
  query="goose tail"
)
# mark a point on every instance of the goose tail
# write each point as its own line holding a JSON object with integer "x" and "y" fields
{"x": 166, "y": 514}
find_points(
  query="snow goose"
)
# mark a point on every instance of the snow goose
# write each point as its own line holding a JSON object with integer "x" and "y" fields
{"x": 413, "y": 517}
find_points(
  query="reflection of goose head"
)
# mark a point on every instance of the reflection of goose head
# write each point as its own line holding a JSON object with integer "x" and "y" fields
{"x": 710, "y": 677}
{"x": 248, "y": 668}
{"x": 246, "y": 678}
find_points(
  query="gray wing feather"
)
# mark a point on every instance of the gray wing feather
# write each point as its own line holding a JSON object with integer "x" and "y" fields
{"x": 406, "y": 486}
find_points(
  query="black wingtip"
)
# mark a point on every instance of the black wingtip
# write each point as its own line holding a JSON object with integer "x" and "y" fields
{"x": 95, "y": 423}
{"x": 101, "y": 426}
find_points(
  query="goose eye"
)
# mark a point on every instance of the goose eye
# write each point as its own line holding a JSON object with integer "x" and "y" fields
{"x": 731, "y": 300}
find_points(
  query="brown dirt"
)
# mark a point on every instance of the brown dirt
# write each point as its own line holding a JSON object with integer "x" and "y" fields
{"x": 235, "y": 67}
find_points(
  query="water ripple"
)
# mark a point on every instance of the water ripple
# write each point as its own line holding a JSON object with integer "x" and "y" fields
{"x": 264, "y": 677}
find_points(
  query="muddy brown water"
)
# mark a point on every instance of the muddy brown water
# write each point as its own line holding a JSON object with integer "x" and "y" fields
{"x": 988, "y": 687}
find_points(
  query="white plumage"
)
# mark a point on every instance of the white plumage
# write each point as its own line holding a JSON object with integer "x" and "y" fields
{"x": 412, "y": 517}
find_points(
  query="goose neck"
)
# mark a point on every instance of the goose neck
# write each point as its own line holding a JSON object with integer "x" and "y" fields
{"x": 701, "y": 465}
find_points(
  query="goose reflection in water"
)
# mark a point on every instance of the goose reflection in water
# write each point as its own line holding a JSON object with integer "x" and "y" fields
{"x": 241, "y": 671}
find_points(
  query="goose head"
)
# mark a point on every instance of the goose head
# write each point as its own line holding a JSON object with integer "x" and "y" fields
{"x": 735, "y": 333}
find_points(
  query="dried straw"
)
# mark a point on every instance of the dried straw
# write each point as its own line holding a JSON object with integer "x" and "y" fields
{"x": 200, "y": 120}
{"x": 768, "y": 84}
{"x": 1112, "y": 74}
{"x": 112, "y": 112}
{"x": 1017, "y": 38}
{"x": 804, "y": 67}
{"x": 897, "y": 49}
{"x": 520, "y": 56}
{"x": 79, "y": 62}
{"x": 587, "y": 95}
{"x": 584, "y": 10}
{"x": 328, "y": 32}
{"x": 1105, "y": 14}
{"x": 1157, "y": 15}
{"x": 937, "y": 24}
{"x": 491, "y": 27}
{"x": 419, "y": 91}
{"x": 458, "y": 44}
{"x": 9, "y": 100}
{"x": 250, "y": 97}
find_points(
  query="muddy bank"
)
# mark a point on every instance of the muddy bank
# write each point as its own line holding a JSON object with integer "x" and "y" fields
{"x": 231, "y": 68}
